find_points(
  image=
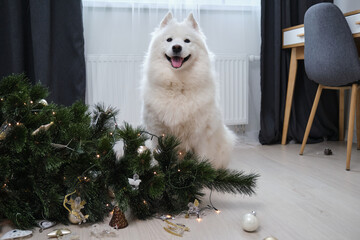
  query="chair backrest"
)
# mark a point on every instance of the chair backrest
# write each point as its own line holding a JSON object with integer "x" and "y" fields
{"x": 330, "y": 56}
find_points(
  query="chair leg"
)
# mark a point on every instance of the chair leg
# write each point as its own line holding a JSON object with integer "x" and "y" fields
{"x": 358, "y": 119}
{"x": 351, "y": 124}
{"x": 311, "y": 117}
{"x": 341, "y": 115}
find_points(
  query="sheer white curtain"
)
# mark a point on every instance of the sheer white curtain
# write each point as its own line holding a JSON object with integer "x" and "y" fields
{"x": 119, "y": 30}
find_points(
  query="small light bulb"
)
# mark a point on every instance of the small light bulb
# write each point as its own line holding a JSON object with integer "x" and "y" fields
{"x": 178, "y": 170}
{"x": 180, "y": 153}
{"x": 163, "y": 134}
{"x": 107, "y": 204}
{"x": 111, "y": 133}
{"x": 53, "y": 113}
{"x": 25, "y": 103}
{"x": 98, "y": 155}
{"x": 9, "y": 124}
{"x": 18, "y": 123}
{"x": 154, "y": 173}
{"x": 144, "y": 202}
{"x": 199, "y": 219}
{"x": 217, "y": 211}
{"x": 31, "y": 102}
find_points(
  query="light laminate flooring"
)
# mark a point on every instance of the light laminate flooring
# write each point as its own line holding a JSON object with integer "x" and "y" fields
{"x": 297, "y": 198}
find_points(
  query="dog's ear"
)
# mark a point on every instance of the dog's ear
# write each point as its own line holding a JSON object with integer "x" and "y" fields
{"x": 166, "y": 19}
{"x": 192, "y": 21}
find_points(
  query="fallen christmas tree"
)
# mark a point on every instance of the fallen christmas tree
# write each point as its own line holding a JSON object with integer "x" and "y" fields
{"x": 48, "y": 152}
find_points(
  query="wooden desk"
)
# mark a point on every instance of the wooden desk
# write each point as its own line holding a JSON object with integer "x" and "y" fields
{"x": 294, "y": 38}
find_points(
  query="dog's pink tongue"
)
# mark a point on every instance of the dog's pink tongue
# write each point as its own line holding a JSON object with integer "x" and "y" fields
{"x": 176, "y": 62}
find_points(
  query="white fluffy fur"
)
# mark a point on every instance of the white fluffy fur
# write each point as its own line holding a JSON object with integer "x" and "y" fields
{"x": 182, "y": 101}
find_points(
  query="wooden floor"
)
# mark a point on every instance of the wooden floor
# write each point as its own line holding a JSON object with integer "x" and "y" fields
{"x": 298, "y": 197}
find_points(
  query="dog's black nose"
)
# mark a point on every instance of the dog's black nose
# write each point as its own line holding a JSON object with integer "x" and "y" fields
{"x": 176, "y": 48}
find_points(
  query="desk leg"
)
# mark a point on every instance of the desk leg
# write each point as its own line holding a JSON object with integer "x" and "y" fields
{"x": 290, "y": 93}
{"x": 358, "y": 119}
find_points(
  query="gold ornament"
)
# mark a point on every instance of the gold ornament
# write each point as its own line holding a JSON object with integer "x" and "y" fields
{"x": 42, "y": 128}
{"x": 43, "y": 102}
{"x": 176, "y": 229}
{"x": 58, "y": 233}
{"x": 75, "y": 215}
{"x": 4, "y": 130}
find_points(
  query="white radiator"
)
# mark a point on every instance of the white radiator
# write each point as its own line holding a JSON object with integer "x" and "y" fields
{"x": 233, "y": 75}
{"x": 114, "y": 80}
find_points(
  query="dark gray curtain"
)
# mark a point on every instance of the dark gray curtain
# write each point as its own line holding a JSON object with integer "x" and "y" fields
{"x": 276, "y": 15}
{"x": 44, "y": 39}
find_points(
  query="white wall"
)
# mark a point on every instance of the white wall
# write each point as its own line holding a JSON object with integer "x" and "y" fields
{"x": 116, "y": 30}
{"x": 347, "y": 5}
{"x": 110, "y": 30}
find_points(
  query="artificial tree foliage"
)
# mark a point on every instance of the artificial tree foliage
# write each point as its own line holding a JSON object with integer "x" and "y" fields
{"x": 39, "y": 165}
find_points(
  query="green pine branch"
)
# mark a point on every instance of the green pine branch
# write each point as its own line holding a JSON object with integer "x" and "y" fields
{"x": 76, "y": 153}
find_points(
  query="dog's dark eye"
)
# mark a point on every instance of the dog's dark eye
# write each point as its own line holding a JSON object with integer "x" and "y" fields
{"x": 169, "y": 39}
{"x": 187, "y": 40}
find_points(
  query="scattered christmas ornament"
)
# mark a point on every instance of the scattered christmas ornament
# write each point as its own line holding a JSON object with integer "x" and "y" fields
{"x": 58, "y": 233}
{"x": 101, "y": 233}
{"x": 111, "y": 192}
{"x": 43, "y": 102}
{"x": 270, "y": 238}
{"x": 176, "y": 229}
{"x": 328, "y": 151}
{"x": 166, "y": 217}
{"x": 135, "y": 181}
{"x": 75, "y": 215}
{"x": 4, "y": 130}
{"x": 44, "y": 224}
{"x": 119, "y": 149}
{"x": 60, "y": 146}
{"x": 141, "y": 149}
{"x": 118, "y": 219}
{"x": 193, "y": 209}
{"x": 42, "y": 127}
{"x": 16, "y": 233}
{"x": 250, "y": 222}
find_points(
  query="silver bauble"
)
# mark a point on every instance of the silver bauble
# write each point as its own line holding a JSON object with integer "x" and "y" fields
{"x": 43, "y": 102}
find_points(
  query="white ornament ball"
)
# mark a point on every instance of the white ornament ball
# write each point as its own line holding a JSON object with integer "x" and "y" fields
{"x": 250, "y": 222}
{"x": 43, "y": 102}
{"x": 270, "y": 238}
{"x": 141, "y": 149}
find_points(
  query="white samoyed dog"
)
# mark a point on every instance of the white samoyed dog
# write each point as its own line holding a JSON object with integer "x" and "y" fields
{"x": 179, "y": 90}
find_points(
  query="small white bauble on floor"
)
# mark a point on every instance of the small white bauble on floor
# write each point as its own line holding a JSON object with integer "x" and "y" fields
{"x": 270, "y": 238}
{"x": 250, "y": 222}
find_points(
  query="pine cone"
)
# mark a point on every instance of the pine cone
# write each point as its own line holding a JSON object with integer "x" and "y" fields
{"x": 118, "y": 219}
